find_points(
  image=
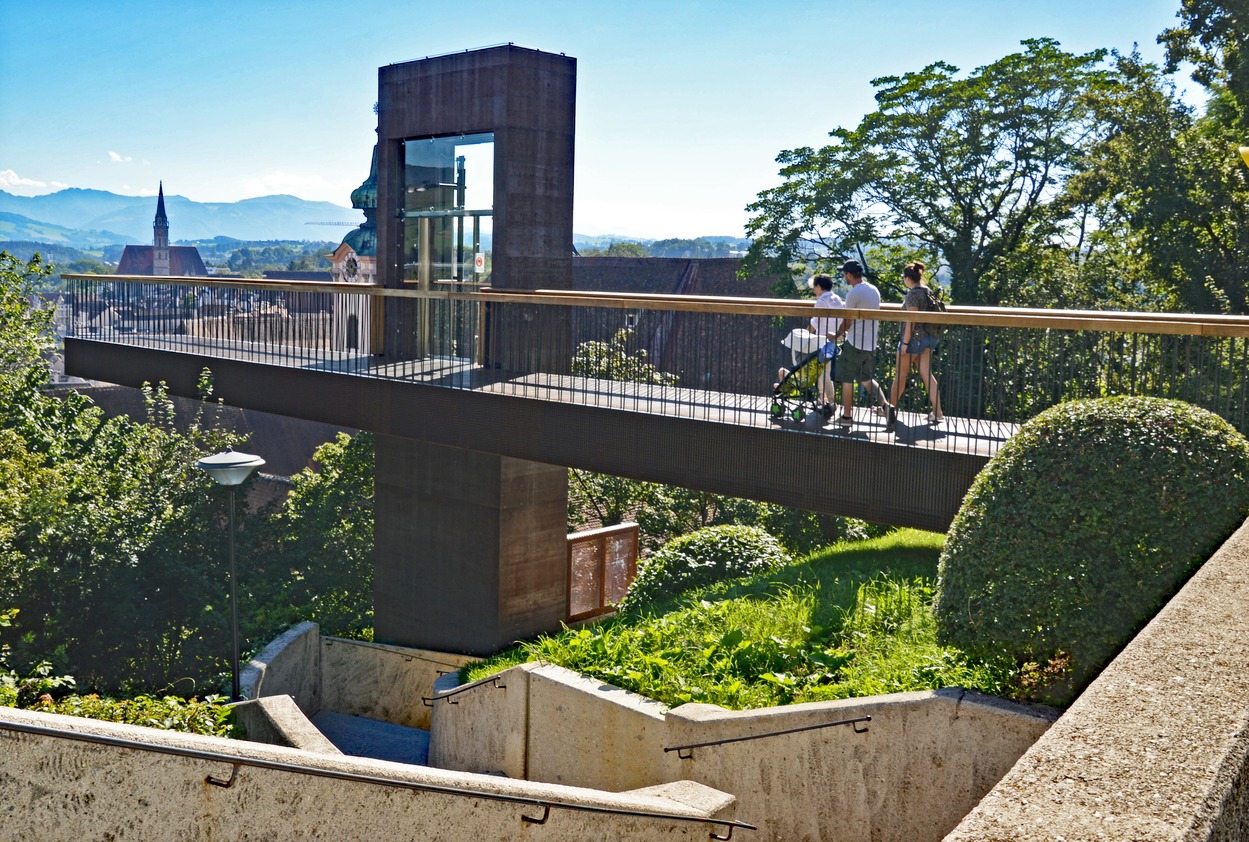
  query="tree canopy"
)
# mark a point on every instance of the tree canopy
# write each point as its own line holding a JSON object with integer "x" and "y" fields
{"x": 1044, "y": 178}
{"x": 964, "y": 166}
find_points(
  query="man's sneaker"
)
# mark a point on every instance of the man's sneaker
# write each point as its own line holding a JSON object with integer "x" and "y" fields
{"x": 846, "y": 419}
{"x": 892, "y": 420}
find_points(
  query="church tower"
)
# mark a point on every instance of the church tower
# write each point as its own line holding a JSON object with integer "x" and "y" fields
{"x": 160, "y": 258}
{"x": 160, "y": 236}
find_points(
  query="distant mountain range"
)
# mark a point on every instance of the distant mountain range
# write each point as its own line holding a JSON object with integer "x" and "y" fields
{"x": 91, "y": 219}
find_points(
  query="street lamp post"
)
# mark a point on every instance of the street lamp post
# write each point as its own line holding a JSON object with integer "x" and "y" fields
{"x": 230, "y": 469}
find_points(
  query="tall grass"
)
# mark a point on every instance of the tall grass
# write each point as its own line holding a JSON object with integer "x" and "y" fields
{"x": 853, "y": 620}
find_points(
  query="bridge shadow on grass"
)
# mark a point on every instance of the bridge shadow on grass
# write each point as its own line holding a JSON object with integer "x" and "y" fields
{"x": 835, "y": 574}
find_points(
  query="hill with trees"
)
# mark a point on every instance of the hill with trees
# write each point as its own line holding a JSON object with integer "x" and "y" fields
{"x": 89, "y": 218}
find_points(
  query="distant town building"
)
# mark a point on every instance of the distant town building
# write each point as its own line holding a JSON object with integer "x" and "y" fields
{"x": 355, "y": 259}
{"x": 355, "y": 262}
{"x": 160, "y": 258}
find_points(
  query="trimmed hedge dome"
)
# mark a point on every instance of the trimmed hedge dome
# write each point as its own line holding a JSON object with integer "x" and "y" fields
{"x": 701, "y": 558}
{"x": 1082, "y": 527}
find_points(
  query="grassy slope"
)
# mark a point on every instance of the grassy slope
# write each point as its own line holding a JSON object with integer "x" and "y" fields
{"x": 853, "y": 620}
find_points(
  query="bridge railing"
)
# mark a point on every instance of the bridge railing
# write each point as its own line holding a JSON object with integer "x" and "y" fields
{"x": 712, "y": 359}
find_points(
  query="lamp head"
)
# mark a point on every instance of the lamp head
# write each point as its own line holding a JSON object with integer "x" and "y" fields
{"x": 1244, "y": 154}
{"x": 229, "y": 467}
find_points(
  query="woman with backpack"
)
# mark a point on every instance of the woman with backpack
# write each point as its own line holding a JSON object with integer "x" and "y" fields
{"x": 918, "y": 342}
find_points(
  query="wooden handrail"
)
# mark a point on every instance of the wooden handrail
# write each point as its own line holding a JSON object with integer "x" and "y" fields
{"x": 1104, "y": 320}
{"x": 1191, "y": 324}
{"x": 338, "y": 288}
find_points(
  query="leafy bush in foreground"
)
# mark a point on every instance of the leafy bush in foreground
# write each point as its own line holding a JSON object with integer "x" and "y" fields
{"x": 211, "y": 716}
{"x": 1082, "y": 526}
{"x": 702, "y": 558}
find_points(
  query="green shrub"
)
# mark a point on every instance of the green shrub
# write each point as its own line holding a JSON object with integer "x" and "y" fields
{"x": 1083, "y": 525}
{"x": 801, "y": 532}
{"x": 212, "y": 716}
{"x": 702, "y": 558}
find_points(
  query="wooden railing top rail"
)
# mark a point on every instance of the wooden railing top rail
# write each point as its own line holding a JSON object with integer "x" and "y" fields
{"x": 1191, "y": 324}
{"x": 269, "y": 286}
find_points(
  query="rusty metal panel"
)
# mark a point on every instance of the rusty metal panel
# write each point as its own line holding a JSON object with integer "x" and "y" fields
{"x": 601, "y": 566}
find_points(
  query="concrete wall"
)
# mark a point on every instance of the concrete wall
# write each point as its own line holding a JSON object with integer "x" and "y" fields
{"x": 483, "y": 728}
{"x": 1158, "y": 746}
{"x": 546, "y": 723}
{"x": 52, "y": 787}
{"x": 278, "y": 721}
{"x": 923, "y": 762}
{"x": 616, "y": 743}
{"x": 347, "y": 676}
{"x": 382, "y": 682}
{"x": 472, "y": 548}
{"x": 289, "y": 666}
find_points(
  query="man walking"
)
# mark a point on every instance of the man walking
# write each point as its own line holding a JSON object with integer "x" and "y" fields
{"x": 857, "y": 362}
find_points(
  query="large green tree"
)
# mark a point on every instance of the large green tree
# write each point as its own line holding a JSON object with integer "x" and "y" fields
{"x": 1170, "y": 193}
{"x": 965, "y": 166}
{"x": 319, "y": 559}
{"x": 1213, "y": 37}
{"x": 112, "y": 548}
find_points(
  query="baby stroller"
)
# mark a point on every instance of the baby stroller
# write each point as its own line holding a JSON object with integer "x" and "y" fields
{"x": 798, "y": 391}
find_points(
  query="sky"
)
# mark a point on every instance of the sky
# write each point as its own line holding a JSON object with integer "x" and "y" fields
{"x": 682, "y": 105}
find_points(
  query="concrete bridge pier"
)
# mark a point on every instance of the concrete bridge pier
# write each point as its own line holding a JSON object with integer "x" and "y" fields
{"x": 471, "y": 548}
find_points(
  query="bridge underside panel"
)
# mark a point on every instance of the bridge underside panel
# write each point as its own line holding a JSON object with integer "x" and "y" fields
{"x": 834, "y": 474}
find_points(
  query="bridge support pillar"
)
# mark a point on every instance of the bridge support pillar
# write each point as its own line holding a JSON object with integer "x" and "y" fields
{"x": 471, "y": 548}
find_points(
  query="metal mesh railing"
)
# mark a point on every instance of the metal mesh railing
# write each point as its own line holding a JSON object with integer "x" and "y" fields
{"x": 708, "y": 359}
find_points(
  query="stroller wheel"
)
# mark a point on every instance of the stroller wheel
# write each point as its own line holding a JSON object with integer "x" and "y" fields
{"x": 798, "y": 414}
{"x": 828, "y": 411}
{"x": 777, "y": 410}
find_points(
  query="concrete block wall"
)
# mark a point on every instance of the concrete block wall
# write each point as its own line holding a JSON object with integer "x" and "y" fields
{"x": 923, "y": 762}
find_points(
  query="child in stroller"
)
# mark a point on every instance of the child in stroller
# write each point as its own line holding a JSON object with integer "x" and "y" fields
{"x": 798, "y": 390}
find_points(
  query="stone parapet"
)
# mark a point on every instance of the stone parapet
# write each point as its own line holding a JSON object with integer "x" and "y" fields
{"x": 1157, "y": 746}
{"x": 911, "y": 773}
{"x": 72, "y": 778}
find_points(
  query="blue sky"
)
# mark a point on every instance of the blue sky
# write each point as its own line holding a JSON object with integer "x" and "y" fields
{"x": 682, "y": 105}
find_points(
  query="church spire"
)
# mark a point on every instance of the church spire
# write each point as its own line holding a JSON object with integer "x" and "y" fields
{"x": 160, "y": 236}
{"x": 161, "y": 219}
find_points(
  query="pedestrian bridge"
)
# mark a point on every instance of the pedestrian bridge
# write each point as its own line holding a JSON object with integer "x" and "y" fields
{"x": 670, "y": 389}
